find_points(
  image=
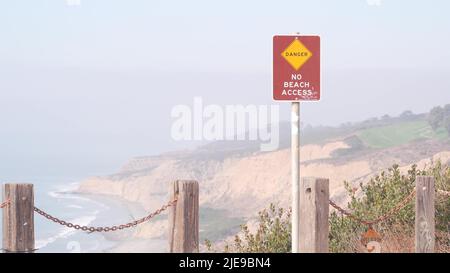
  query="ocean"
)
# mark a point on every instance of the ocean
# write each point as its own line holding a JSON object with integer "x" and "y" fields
{"x": 54, "y": 196}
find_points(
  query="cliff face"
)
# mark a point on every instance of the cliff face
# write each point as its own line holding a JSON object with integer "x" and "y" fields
{"x": 244, "y": 182}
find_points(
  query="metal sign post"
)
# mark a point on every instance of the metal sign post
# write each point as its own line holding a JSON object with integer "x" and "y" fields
{"x": 295, "y": 159}
{"x": 296, "y": 77}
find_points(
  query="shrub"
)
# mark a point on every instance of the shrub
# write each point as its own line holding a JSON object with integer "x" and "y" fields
{"x": 379, "y": 196}
{"x": 272, "y": 235}
{"x": 369, "y": 201}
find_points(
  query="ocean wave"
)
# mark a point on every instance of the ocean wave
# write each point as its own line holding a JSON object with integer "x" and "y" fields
{"x": 64, "y": 192}
{"x": 66, "y": 232}
{"x": 74, "y": 206}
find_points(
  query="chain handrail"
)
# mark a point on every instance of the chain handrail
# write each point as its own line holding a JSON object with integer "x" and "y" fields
{"x": 343, "y": 211}
{"x": 384, "y": 217}
{"x": 109, "y": 228}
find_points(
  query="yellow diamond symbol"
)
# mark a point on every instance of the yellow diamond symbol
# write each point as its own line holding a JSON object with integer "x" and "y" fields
{"x": 296, "y": 54}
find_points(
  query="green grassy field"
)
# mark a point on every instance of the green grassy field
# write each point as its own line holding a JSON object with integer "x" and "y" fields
{"x": 400, "y": 133}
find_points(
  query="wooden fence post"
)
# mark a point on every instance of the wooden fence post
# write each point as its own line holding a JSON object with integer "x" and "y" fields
{"x": 184, "y": 217}
{"x": 18, "y": 218}
{"x": 314, "y": 209}
{"x": 424, "y": 229}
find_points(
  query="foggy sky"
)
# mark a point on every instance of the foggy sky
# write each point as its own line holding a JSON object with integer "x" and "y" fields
{"x": 84, "y": 88}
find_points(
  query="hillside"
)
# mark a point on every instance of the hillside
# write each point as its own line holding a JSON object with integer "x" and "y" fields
{"x": 236, "y": 180}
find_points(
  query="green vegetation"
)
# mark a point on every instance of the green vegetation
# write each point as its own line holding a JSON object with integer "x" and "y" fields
{"x": 435, "y": 117}
{"x": 440, "y": 117}
{"x": 378, "y": 197}
{"x": 400, "y": 133}
{"x": 355, "y": 144}
{"x": 383, "y": 132}
{"x": 217, "y": 223}
{"x": 322, "y": 134}
{"x": 273, "y": 234}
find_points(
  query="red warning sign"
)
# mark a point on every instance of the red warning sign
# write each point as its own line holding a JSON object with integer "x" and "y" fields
{"x": 296, "y": 68}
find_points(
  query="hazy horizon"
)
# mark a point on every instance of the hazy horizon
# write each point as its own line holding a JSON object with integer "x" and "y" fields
{"x": 84, "y": 88}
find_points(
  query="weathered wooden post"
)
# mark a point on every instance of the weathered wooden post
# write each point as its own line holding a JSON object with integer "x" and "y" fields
{"x": 18, "y": 218}
{"x": 184, "y": 217}
{"x": 314, "y": 209}
{"x": 425, "y": 237}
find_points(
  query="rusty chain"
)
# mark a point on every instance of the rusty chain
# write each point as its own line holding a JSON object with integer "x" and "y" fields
{"x": 106, "y": 229}
{"x": 369, "y": 223}
{"x": 384, "y": 217}
{"x": 4, "y": 204}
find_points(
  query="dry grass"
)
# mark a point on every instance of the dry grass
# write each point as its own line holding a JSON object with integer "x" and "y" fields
{"x": 401, "y": 241}
{"x": 398, "y": 241}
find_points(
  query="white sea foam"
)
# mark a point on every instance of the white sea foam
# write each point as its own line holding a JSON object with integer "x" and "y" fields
{"x": 63, "y": 192}
{"x": 81, "y": 208}
{"x": 74, "y": 206}
{"x": 66, "y": 232}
